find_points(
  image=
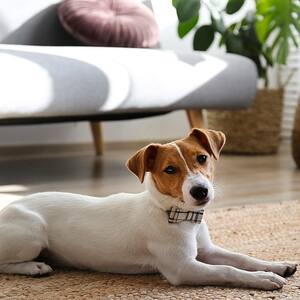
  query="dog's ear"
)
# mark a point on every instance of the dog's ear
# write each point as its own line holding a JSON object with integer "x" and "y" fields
{"x": 142, "y": 161}
{"x": 213, "y": 141}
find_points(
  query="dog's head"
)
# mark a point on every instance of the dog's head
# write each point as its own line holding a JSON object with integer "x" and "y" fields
{"x": 182, "y": 169}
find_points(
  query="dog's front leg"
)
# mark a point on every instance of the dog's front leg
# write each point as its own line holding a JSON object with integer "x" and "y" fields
{"x": 180, "y": 268}
{"x": 212, "y": 254}
{"x": 219, "y": 256}
{"x": 193, "y": 272}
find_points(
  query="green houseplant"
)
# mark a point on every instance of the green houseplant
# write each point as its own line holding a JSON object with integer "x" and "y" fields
{"x": 265, "y": 36}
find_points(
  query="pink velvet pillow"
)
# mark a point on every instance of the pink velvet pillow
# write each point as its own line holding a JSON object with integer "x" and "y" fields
{"x": 116, "y": 23}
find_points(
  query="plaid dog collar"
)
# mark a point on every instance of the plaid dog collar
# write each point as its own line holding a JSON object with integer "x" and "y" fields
{"x": 178, "y": 215}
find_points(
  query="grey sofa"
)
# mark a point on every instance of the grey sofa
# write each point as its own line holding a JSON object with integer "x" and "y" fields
{"x": 47, "y": 76}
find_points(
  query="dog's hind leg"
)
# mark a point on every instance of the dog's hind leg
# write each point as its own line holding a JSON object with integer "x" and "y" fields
{"x": 22, "y": 238}
{"x": 31, "y": 268}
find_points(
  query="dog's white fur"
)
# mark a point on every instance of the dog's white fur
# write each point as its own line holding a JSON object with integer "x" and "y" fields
{"x": 125, "y": 233}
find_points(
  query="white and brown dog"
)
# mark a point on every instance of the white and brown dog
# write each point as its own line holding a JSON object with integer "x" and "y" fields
{"x": 158, "y": 230}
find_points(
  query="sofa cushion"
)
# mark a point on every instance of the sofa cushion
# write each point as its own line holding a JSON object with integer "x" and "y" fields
{"x": 119, "y": 23}
{"x": 73, "y": 81}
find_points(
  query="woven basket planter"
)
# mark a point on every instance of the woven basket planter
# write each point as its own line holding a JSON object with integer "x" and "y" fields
{"x": 296, "y": 136}
{"x": 255, "y": 130}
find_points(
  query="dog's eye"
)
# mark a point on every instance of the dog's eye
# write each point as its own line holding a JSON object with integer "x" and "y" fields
{"x": 170, "y": 170}
{"x": 201, "y": 158}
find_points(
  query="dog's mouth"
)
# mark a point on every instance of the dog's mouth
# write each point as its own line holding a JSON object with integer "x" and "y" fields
{"x": 193, "y": 204}
{"x": 202, "y": 202}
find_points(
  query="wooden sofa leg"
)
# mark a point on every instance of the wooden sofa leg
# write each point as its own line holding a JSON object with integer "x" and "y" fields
{"x": 97, "y": 137}
{"x": 195, "y": 118}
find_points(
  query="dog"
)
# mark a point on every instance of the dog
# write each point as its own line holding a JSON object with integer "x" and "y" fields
{"x": 158, "y": 230}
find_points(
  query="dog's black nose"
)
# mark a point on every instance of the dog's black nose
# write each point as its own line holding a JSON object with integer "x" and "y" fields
{"x": 199, "y": 192}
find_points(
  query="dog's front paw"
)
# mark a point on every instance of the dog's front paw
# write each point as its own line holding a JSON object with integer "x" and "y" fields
{"x": 267, "y": 281}
{"x": 284, "y": 269}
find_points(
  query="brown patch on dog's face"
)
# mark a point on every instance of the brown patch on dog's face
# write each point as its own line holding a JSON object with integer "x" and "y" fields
{"x": 197, "y": 157}
{"x": 170, "y": 167}
{"x": 169, "y": 171}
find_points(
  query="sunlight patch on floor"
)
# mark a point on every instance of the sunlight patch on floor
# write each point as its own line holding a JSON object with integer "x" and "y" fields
{"x": 12, "y": 188}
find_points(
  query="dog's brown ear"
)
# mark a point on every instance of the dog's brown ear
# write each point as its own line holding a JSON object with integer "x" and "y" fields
{"x": 213, "y": 141}
{"x": 142, "y": 161}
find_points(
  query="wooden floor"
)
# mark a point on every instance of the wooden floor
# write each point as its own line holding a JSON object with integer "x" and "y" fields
{"x": 240, "y": 179}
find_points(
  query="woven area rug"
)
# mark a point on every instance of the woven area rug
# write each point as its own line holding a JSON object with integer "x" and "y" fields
{"x": 269, "y": 231}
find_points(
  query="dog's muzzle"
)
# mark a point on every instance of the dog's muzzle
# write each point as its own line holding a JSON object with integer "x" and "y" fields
{"x": 197, "y": 190}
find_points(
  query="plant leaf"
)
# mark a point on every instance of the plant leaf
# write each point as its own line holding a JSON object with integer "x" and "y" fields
{"x": 283, "y": 51}
{"x": 276, "y": 41}
{"x": 274, "y": 26}
{"x": 296, "y": 9}
{"x": 234, "y": 5}
{"x": 233, "y": 26}
{"x": 203, "y": 38}
{"x": 187, "y": 9}
{"x": 267, "y": 53}
{"x": 296, "y": 24}
{"x": 294, "y": 40}
{"x": 222, "y": 41}
{"x": 234, "y": 44}
{"x": 184, "y": 28}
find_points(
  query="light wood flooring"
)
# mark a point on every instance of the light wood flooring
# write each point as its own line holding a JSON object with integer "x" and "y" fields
{"x": 240, "y": 179}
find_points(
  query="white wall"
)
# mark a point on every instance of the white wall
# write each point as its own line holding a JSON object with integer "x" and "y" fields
{"x": 158, "y": 128}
